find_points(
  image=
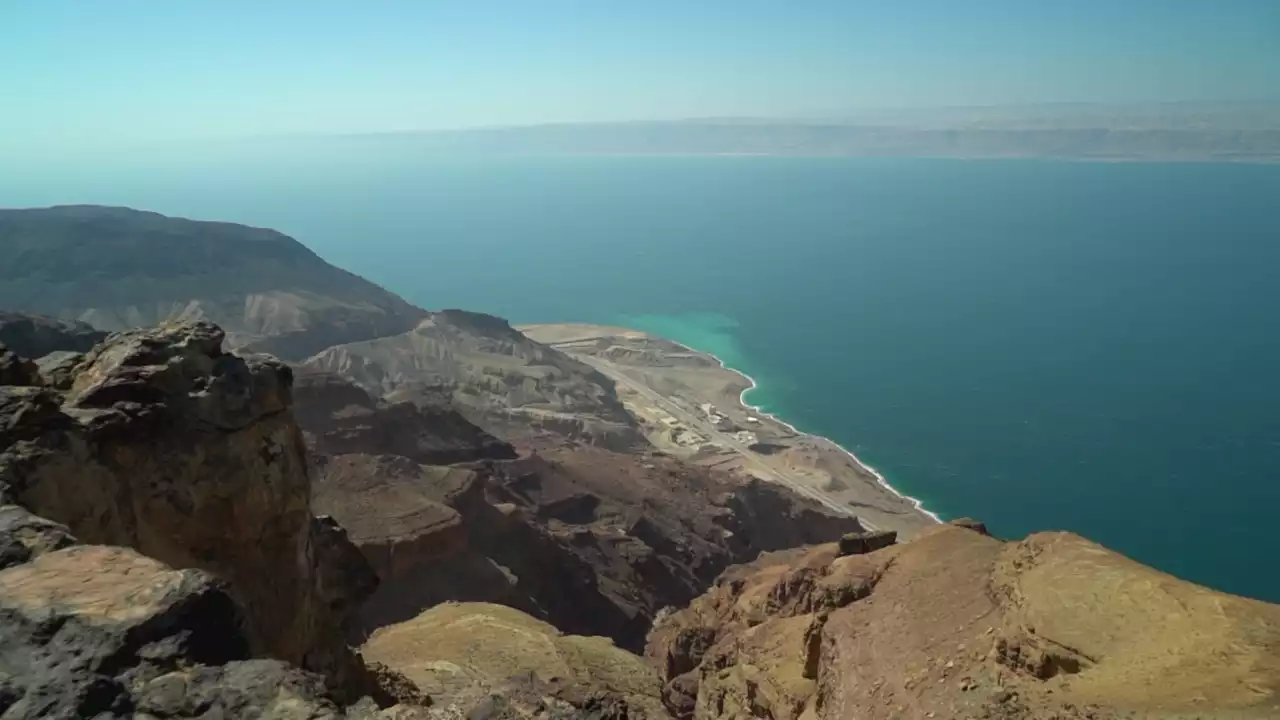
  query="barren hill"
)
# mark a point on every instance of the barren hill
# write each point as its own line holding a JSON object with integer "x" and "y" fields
{"x": 505, "y": 382}
{"x": 118, "y": 268}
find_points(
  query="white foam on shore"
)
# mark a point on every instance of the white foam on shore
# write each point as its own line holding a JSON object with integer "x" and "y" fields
{"x": 742, "y": 400}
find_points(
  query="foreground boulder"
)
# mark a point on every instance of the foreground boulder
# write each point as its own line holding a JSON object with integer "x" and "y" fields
{"x": 956, "y": 624}
{"x": 161, "y": 442}
{"x": 104, "y": 632}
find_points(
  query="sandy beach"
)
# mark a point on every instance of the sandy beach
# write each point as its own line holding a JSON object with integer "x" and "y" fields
{"x": 693, "y": 406}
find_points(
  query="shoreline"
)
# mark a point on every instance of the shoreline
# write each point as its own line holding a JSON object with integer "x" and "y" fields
{"x": 915, "y": 502}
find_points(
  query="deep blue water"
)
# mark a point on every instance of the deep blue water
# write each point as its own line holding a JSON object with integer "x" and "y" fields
{"x": 1093, "y": 347}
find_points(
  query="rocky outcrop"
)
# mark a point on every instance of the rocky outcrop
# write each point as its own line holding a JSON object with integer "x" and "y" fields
{"x": 34, "y": 336}
{"x": 482, "y": 660}
{"x": 955, "y": 624}
{"x": 163, "y": 443}
{"x": 338, "y": 417}
{"x": 104, "y": 632}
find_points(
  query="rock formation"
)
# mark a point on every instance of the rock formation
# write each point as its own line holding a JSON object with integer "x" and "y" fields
{"x": 165, "y": 444}
{"x": 104, "y": 632}
{"x": 955, "y": 624}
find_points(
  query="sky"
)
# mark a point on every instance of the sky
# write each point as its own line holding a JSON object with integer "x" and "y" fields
{"x": 73, "y": 71}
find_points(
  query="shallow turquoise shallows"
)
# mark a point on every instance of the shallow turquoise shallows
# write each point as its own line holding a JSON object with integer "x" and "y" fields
{"x": 1085, "y": 346}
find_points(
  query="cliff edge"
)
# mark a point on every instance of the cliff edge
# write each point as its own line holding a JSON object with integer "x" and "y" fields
{"x": 956, "y": 624}
{"x": 159, "y": 441}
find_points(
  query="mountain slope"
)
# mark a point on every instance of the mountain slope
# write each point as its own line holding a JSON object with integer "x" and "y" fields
{"x": 118, "y": 268}
{"x": 506, "y": 383}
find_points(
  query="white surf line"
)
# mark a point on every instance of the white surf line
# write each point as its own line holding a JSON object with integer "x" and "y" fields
{"x": 742, "y": 400}
{"x": 795, "y": 486}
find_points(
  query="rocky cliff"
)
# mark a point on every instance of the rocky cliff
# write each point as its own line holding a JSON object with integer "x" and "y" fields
{"x": 222, "y": 595}
{"x": 159, "y": 441}
{"x": 956, "y": 624}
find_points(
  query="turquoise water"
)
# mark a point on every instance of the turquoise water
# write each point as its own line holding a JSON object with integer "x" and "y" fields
{"x": 1093, "y": 347}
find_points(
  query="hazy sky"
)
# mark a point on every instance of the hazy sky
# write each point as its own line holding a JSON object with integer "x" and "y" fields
{"x": 88, "y": 71}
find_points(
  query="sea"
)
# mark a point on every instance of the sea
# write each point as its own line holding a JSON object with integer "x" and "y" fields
{"x": 1043, "y": 345}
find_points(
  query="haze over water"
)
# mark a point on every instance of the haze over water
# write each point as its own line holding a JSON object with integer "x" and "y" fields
{"x": 1041, "y": 345}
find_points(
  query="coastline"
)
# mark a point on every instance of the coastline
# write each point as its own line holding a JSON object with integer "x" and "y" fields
{"x": 752, "y": 385}
{"x": 690, "y": 403}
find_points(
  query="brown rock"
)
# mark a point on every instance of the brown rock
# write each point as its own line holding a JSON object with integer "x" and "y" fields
{"x": 1076, "y": 632}
{"x": 465, "y": 654}
{"x": 501, "y": 380}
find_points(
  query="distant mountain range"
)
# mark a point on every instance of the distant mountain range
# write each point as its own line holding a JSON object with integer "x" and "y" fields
{"x": 1233, "y": 132}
